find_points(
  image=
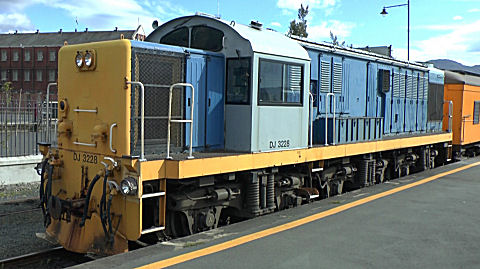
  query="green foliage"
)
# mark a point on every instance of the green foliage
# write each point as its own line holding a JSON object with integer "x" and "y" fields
{"x": 335, "y": 41}
{"x": 7, "y": 89}
{"x": 299, "y": 28}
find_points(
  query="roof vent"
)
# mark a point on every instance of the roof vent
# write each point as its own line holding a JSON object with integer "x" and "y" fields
{"x": 256, "y": 25}
{"x": 206, "y": 15}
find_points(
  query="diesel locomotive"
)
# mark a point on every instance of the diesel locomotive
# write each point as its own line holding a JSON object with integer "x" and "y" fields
{"x": 208, "y": 121}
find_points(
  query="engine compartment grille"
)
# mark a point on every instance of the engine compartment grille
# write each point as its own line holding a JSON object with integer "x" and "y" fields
{"x": 157, "y": 70}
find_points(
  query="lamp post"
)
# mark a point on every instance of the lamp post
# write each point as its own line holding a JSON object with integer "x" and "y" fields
{"x": 384, "y": 13}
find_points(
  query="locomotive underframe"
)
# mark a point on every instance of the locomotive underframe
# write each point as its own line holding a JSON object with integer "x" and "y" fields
{"x": 202, "y": 203}
{"x": 201, "y": 194}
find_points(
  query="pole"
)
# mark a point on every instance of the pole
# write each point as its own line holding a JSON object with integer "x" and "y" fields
{"x": 408, "y": 31}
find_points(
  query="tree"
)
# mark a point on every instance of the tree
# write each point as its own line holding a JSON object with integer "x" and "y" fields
{"x": 335, "y": 40}
{"x": 7, "y": 90}
{"x": 299, "y": 28}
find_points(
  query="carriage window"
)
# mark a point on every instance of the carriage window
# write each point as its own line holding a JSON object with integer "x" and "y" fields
{"x": 476, "y": 112}
{"x": 238, "y": 81}
{"x": 280, "y": 83}
{"x": 178, "y": 37}
{"x": 207, "y": 38}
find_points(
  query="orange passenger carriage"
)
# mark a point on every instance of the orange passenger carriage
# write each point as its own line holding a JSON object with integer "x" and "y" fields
{"x": 463, "y": 89}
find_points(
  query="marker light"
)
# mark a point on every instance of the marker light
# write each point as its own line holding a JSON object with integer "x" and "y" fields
{"x": 79, "y": 60}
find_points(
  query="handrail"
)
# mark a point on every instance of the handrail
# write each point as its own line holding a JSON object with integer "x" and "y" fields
{"x": 450, "y": 113}
{"x": 190, "y": 156}
{"x": 310, "y": 115}
{"x": 111, "y": 134}
{"x": 85, "y": 144}
{"x": 48, "y": 108}
{"x": 326, "y": 118}
{"x": 85, "y": 110}
{"x": 142, "y": 119}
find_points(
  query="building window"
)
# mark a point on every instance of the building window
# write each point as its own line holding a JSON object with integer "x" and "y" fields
{"x": 280, "y": 83}
{"x": 26, "y": 75}
{"x": 14, "y": 75}
{"x": 15, "y": 56}
{"x": 51, "y": 56}
{"x": 39, "y": 56}
{"x": 4, "y": 75}
{"x": 238, "y": 81}
{"x": 476, "y": 112}
{"x": 51, "y": 75}
{"x": 27, "y": 56}
{"x": 4, "y": 55}
{"x": 39, "y": 75}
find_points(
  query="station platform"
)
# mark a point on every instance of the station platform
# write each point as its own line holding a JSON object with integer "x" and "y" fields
{"x": 427, "y": 220}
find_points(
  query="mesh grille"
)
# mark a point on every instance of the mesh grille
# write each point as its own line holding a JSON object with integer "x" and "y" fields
{"x": 157, "y": 71}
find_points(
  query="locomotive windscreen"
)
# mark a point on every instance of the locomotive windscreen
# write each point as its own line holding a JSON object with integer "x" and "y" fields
{"x": 157, "y": 70}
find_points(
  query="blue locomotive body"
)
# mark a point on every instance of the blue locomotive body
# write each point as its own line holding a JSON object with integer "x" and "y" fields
{"x": 257, "y": 90}
{"x": 372, "y": 95}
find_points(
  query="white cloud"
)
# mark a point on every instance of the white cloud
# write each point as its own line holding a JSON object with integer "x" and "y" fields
{"x": 96, "y": 14}
{"x": 461, "y": 43}
{"x": 277, "y": 24}
{"x": 474, "y": 10}
{"x": 457, "y": 18}
{"x": 15, "y": 21}
{"x": 295, "y": 4}
{"x": 322, "y": 32}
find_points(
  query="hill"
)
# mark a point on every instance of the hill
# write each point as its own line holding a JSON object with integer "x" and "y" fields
{"x": 446, "y": 64}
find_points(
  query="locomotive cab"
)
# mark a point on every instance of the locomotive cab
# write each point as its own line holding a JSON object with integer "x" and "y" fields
{"x": 266, "y": 89}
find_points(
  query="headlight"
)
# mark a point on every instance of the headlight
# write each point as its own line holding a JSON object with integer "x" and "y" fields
{"x": 79, "y": 60}
{"x": 129, "y": 186}
{"x": 88, "y": 59}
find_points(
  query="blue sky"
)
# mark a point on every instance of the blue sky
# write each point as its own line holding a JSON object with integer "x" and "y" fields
{"x": 439, "y": 29}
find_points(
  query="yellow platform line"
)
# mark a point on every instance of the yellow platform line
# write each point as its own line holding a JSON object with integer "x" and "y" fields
{"x": 251, "y": 237}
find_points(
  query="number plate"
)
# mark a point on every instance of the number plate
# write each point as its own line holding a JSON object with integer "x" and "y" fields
{"x": 85, "y": 157}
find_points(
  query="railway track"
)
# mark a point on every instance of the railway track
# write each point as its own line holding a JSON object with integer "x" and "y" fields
{"x": 19, "y": 212}
{"x": 56, "y": 257}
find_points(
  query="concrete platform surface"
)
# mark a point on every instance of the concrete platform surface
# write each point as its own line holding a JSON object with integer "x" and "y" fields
{"x": 427, "y": 220}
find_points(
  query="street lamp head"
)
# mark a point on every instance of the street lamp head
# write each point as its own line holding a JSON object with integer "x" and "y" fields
{"x": 384, "y": 12}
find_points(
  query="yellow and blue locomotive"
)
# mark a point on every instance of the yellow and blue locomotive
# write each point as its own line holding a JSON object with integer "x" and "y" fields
{"x": 210, "y": 121}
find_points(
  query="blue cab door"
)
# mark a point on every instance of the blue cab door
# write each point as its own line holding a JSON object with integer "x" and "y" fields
{"x": 215, "y": 102}
{"x": 206, "y": 74}
{"x": 196, "y": 74}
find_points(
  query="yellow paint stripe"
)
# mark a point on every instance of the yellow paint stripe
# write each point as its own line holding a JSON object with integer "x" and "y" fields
{"x": 251, "y": 237}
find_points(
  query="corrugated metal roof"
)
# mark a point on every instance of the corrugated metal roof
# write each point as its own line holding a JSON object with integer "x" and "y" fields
{"x": 58, "y": 39}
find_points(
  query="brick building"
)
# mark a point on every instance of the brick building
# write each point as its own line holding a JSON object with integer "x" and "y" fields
{"x": 29, "y": 60}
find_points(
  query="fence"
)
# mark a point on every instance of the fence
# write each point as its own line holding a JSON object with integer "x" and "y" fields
{"x": 24, "y": 123}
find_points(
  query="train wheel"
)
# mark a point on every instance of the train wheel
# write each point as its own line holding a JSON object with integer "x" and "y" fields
{"x": 177, "y": 224}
